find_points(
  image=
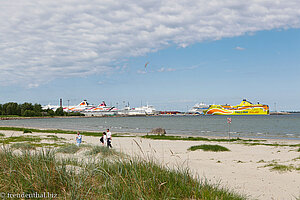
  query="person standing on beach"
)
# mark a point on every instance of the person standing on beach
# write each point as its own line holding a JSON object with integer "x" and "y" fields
{"x": 108, "y": 135}
{"x": 78, "y": 139}
{"x": 103, "y": 139}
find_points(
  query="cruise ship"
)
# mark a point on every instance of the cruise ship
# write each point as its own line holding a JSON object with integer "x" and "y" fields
{"x": 199, "y": 108}
{"x": 143, "y": 110}
{"x": 244, "y": 108}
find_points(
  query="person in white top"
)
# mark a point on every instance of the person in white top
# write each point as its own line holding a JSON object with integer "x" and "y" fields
{"x": 108, "y": 135}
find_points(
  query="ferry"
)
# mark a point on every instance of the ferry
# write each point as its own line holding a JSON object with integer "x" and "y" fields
{"x": 244, "y": 108}
{"x": 198, "y": 108}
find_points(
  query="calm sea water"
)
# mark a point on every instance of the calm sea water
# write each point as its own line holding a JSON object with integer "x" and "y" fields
{"x": 287, "y": 126}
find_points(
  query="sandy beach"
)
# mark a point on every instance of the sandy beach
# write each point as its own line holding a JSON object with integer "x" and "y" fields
{"x": 242, "y": 169}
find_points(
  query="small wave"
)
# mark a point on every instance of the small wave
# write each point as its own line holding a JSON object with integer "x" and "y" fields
{"x": 289, "y": 134}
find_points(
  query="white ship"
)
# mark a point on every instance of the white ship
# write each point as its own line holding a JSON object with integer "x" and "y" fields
{"x": 199, "y": 108}
{"x": 143, "y": 110}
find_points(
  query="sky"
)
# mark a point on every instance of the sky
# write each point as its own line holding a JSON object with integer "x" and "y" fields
{"x": 215, "y": 52}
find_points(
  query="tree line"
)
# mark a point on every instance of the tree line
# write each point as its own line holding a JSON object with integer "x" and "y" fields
{"x": 30, "y": 110}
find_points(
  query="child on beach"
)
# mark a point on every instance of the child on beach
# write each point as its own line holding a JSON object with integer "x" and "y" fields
{"x": 103, "y": 139}
{"x": 78, "y": 139}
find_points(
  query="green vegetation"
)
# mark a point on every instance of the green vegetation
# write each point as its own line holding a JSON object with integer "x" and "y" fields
{"x": 104, "y": 151}
{"x": 26, "y": 109}
{"x": 102, "y": 179}
{"x": 97, "y": 134}
{"x": 299, "y": 149}
{"x": 282, "y": 168}
{"x": 27, "y": 131}
{"x": 207, "y": 147}
{"x": 2, "y": 135}
{"x": 69, "y": 148}
{"x": 171, "y": 137}
{"x": 8, "y": 140}
{"x": 272, "y": 144}
{"x": 22, "y": 146}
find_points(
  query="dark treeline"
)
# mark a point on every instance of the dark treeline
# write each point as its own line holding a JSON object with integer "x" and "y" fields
{"x": 30, "y": 110}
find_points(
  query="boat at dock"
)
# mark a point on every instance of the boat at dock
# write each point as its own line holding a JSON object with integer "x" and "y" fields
{"x": 244, "y": 108}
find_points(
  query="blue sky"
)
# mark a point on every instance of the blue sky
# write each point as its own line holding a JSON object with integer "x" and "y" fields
{"x": 189, "y": 61}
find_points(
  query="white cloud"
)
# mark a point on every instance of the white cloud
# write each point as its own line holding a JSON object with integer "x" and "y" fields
{"x": 41, "y": 40}
{"x": 239, "y": 48}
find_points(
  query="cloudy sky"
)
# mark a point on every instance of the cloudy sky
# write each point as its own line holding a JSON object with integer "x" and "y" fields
{"x": 194, "y": 50}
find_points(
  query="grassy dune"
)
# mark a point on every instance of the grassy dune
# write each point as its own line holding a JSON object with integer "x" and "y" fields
{"x": 207, "y": 147}
{"x": 120, "y": 178}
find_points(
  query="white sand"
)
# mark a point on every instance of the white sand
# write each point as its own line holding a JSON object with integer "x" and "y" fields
{"x": 239, "y": 169}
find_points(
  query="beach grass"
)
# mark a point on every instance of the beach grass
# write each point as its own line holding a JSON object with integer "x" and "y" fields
{"x": 23, "y": 146}
{"x": 8, "y": 140}
{"x": 50, "y": 131}
{"x": 68, "y": 149}
{"x": 103, "y": 150}
{"x": 134, "y": 178}
{"x": 207, "y": 147}
{"x": 172, "y": 137}
{"x": 281, "y": 168}
{"x": 2, "y": 134}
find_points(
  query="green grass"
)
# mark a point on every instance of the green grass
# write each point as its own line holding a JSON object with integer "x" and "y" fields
{"x": 120, "y": 179}
{"x": 54, "y": 138}
{"x": 2, "y": 134}
{"x": 207, "y": 147}
{"x": 281, "y": 168}
{"x": 9, "y": 140}
{"x": 22, "y": 146}
{"x": 171, "y": 137}
{"x": 69, "y": 149}
{"x": 51, "y": 131}
{"x": 103, "y": 150}
{"x": 9, "y": 116}
{"x": 299, "y": 149}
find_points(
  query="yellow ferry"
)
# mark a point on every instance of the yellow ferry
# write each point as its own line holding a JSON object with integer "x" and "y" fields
{"x": 244, "y": 108}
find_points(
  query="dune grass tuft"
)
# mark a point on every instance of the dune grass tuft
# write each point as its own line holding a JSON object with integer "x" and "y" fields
{"x": 103, "y": 150}
{"x": 121, "y": 179}
{"x": 207, "y": 147}
{"x": 22, "y": 146}
{"x": 282, "y": 168}
{"x": 2, "y": 134}
{"x": 69, "y": 149}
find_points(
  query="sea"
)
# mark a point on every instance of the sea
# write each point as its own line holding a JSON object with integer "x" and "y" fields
{"x": 265, "y": 126}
